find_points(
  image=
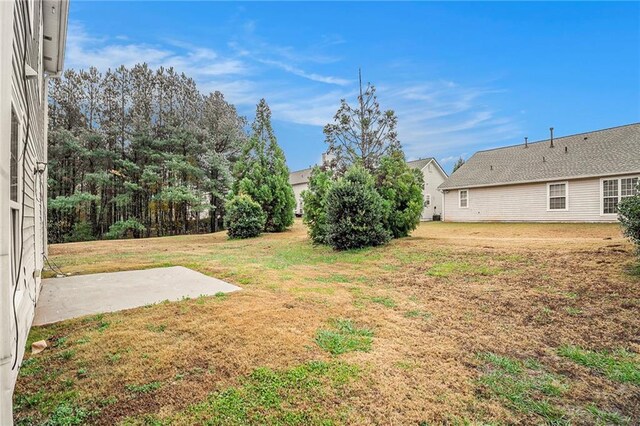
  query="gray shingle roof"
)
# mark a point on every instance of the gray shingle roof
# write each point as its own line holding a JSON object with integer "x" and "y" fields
{"x": 598, "y": 153}
{"x": 300, "y": 176}
{"x": 419, "y": 164}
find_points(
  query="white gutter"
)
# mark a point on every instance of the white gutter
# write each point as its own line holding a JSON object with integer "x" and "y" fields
{"x": 55, "y": 14}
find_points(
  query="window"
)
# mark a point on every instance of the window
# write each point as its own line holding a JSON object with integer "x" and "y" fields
{"x": 609, "y": 196}
{"x": 614, "y": 190}
{"x": 463, "y": 198}
{"x": 628, "y": 187}
{"x": 13, "y": 181}
{"x": 427, "y": 200}
{"x": 15, "y": 246}
{"x": 557, "y": 194}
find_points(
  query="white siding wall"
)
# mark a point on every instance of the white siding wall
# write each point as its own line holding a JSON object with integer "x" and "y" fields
{"x": 29, "y": 103}
{"x": 528, "y": 203}
{"x": 297, "y": 191}
{"x": 433, "y": 177}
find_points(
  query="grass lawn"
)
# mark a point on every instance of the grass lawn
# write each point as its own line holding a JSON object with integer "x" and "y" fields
{"x": 457, "y": 324}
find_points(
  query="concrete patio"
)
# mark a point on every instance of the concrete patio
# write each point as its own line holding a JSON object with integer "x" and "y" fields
{"x": 71, "y": 297}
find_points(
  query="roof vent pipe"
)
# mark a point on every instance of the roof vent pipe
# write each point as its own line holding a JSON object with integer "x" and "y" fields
{"x": 566, "y": 149}
{"x": 551, "y": 130}
{"x": 526, "y": 142}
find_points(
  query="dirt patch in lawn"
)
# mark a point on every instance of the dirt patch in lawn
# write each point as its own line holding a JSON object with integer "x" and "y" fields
{"x": 460, "y": 320}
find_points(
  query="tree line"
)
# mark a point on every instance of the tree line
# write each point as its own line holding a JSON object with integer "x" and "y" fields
{"x": 138, "y": 152}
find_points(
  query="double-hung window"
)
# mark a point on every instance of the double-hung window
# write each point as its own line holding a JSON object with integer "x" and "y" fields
{"x": 463, "y": 198}
{"x": 13, "y": 180}
{"x": 427, "y": 200}
{"x": 15, "y": 197}
{"x": 614, "y": 190}
{"x": 557, "y": 194}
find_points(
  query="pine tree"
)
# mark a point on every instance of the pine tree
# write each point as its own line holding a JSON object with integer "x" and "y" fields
{"x": 137, "y": 152}
{"x": 362, "y": 134}
{"x": 458, "y": 164}
{"x": 401, "y": 188}
{"x": 355, "y": 212}
{"x": 262, "y": 173}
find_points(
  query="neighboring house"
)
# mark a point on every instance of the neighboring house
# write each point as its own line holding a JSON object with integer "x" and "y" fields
{"x": 433, "y": 174}
{"x": 578, "y": 178}
{"x": 32, "y": 41}
{"x": 299, "y": 182}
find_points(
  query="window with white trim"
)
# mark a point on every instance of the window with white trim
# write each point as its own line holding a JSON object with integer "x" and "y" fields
{"x": 614, "y": 190}
{"x": 463, "y": 198}
{"x": 15, "y": 197}
{"x": 13, "y": 180}
{"x": 628, "y": 187}
{"x": 557, "y": 196}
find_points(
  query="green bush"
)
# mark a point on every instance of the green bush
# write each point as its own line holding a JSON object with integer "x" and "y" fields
{"x": 629, "y": 215}
{"x": 81, "y": 232}
{"x": 315, "y": 205}
{"x": 123, "y": 228}
{"x": 244, "y": 217}
{"x": 401, "y": 188}
{"x": 355, "y": 212}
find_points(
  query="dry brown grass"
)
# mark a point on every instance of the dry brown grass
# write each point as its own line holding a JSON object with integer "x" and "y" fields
{"x": 434, "y": 301}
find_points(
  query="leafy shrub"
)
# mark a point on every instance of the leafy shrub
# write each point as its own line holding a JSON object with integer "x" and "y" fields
{"x": 355, "y": 212}
{"x": 401, "y": 188}
{"x": 629, "y": 215}
{"x": 81, "y": 232}
{"x": 123, "y": 228}
{"x": 244, "y": 217}
{"x": 315, "y": 205}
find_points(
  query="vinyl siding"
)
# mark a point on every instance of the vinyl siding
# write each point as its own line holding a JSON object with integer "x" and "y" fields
{"x": 433, "y": 178}
{"x": 528, "y": 203}
{"x": 297, "y": 192}
{"x": 30, "y": 108}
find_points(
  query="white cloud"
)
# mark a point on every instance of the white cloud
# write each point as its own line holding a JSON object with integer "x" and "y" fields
{"x": 436, "y": 118}
{"x": 302, "y": 107}
{"x": 301, "y": 73}
{"x": 84, "y": 51}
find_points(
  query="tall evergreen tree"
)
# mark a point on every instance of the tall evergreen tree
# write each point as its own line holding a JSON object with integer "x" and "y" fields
{"x": 138, "y": 152}
{"x": 401, "y": 188}
{"x": 262, "y": 173}
{"x": 459, "y": 162}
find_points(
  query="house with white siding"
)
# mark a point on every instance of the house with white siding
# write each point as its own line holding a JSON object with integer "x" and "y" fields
{"x": 433, "y": 174}
{"x": 32, "y": 43}
{"x": 577, "y": 178}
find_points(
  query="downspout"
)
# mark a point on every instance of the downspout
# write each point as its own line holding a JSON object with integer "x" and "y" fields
{"x": 6, "y": 339}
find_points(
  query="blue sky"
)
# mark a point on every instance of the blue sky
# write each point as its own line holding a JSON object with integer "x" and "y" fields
{"x": 460, "y": 76}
